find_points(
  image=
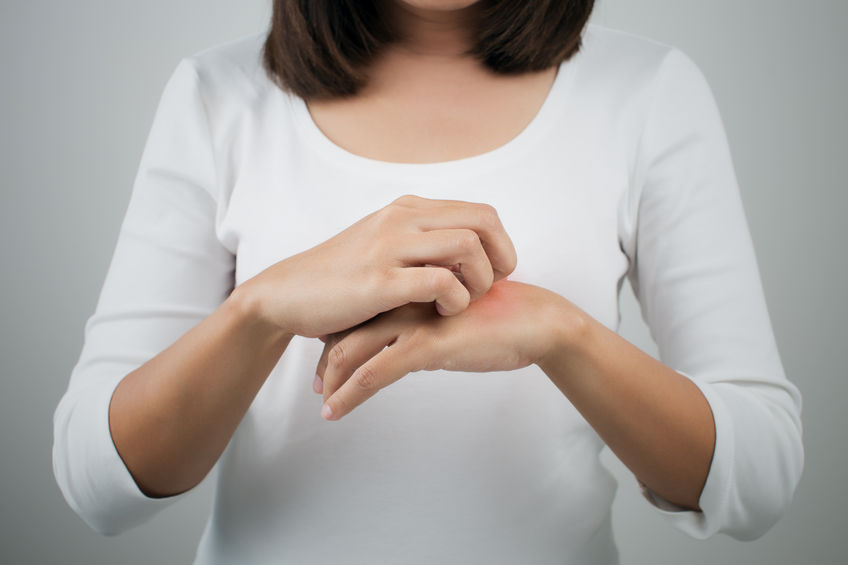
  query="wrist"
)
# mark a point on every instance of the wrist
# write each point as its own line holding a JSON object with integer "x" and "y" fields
{"x": 247, "y": 305}
{"x": 568, "y": 331}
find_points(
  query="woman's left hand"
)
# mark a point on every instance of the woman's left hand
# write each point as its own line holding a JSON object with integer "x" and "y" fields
{"x": 512, "y": 326}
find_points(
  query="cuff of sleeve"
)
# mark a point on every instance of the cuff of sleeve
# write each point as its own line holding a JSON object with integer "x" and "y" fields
{"x": 713, "y": 501}
{"x": 106, "y": 496}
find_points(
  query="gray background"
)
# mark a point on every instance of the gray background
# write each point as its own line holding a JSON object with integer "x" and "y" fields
{"x": 80, "y": 81}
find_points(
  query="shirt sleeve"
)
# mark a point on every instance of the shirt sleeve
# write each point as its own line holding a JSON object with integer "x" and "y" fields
{"x": 694, "y": 273}
{"x": 168, "y": 272}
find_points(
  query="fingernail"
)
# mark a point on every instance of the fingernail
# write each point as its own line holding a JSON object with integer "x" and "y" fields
{"x": 326, "y": 412}
{"x": 318, "y": 384}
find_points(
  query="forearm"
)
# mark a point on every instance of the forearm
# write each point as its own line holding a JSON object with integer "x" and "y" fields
{"x": 652, "y": 417}
{"x": 171, "y": 418}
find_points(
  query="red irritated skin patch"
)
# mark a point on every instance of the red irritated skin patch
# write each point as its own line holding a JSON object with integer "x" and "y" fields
{"x": 499, "y": 302}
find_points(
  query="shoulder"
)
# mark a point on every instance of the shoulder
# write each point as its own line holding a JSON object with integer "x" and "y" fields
{"x": 232, "y": 70}
{"x": 603, "y": 41}
{"x": 608, "y": 48}
{"x": 617, "y": 58}
{"x": 619, "y": 76}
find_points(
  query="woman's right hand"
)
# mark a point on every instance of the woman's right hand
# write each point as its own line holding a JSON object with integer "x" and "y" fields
{"x": 407, "y": 251}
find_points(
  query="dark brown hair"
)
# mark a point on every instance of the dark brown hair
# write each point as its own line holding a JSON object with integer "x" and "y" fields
{"x": 323, "y": 48}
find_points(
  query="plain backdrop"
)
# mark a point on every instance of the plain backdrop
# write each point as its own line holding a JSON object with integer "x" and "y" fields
{"x": 80, "y": 82}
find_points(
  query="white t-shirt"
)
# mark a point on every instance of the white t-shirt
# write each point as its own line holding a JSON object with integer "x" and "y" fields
{"x": 624, "y": 172}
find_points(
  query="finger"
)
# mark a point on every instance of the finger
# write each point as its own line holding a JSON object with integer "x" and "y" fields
{"x": 381, "y": 370}
{"x": 351, "y": 351}
{"x": 484, "y": 220}
{"x": 329, "y": 341}
{"x": 322, "y": 361}
{"x": 413, "y": 201}
{"x": 425, "y": 284}
{"x": 318, "y": 381}
{"x": 460, "y": 247}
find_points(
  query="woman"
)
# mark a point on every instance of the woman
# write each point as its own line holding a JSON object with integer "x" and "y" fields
{"x": 454, "y": 187}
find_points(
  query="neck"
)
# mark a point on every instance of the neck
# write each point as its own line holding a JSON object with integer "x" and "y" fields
{"x": 429, "y": 32}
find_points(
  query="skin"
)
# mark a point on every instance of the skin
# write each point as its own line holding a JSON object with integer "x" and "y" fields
{"x": 391, "y": 305}
{"x": 192, "y": 395}
{"x": 425, "y": 102}
{"x": 434, "y": 28}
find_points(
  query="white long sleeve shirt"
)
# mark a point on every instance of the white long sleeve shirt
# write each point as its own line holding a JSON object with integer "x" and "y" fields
{"x": 625, "y": 172}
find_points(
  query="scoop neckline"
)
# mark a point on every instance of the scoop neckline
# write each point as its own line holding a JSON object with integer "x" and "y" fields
{"x": 319, "y": 143}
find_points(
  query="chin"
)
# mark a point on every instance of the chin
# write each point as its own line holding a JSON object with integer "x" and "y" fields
{"x": 439, "y": 4}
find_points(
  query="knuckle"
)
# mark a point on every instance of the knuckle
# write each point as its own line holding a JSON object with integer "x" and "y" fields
{"x": 393, "y": 216}
{"x": 488, "y": 216}
{"x": 366, "y": 378}
{"x": 337, "y": 355}
{"x": 406, "y": 200}
{"x": 467, "y": 240}
{"x": 385, "y": 217}
{"x": 442, "y": 279}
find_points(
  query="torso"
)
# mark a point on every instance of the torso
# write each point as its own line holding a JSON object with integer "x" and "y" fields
{"x": 426, "y": 111}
